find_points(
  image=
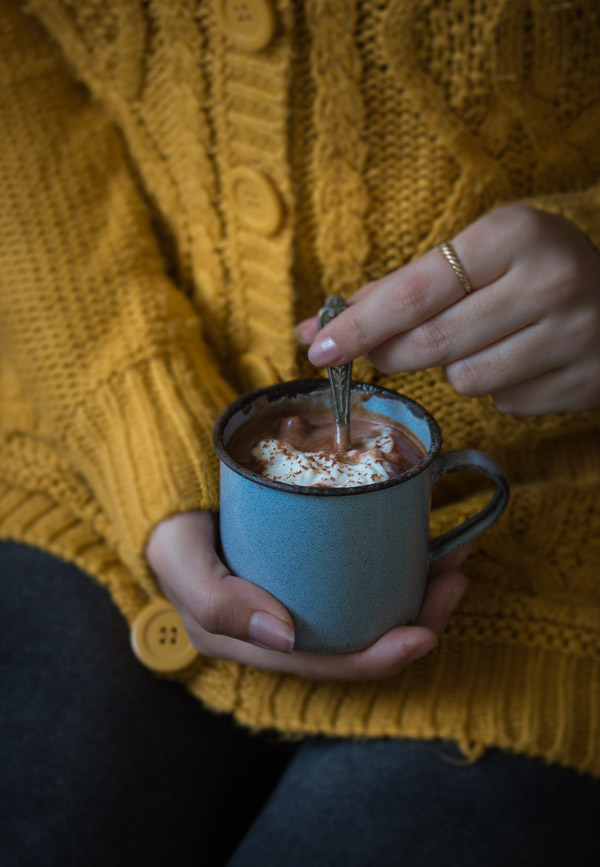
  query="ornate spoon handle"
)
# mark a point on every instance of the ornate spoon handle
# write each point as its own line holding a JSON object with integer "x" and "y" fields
{"x": 340, "y": 377}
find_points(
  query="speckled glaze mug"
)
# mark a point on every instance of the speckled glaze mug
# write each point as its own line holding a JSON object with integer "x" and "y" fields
{"x": 348, "y": 563}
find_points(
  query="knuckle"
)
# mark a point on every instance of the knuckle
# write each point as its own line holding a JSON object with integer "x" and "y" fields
{"x": 524, "y": 221}
{"x": 410, "y": 301}
{"x": 210, "y": 614}
{"x": 466, "y": 378}
{"x": 356, "y": 332}
{"x": 430, "y": 343}
{"x": 564, "y": 281}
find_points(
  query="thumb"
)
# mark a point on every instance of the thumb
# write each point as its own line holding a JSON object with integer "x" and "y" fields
{"x": 181, "y": 552}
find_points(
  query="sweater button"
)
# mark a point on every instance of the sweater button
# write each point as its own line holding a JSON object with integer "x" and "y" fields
{"x": 159, "y": 640}
{"x": 256, "y": 372}
{"x": 249, "y": 24}
{"x": 255, "y": 200}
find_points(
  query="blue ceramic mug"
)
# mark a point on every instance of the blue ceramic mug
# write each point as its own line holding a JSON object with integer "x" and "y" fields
{"x": 348, "y": 563}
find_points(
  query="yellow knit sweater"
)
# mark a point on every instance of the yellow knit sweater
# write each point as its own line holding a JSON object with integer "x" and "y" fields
{"x": 177, "y": 189}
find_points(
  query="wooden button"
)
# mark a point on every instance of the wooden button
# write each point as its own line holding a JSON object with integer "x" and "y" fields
{"x": 159, "y": 640}
{"x": 255, "y": 200}
{"x": 249, "y": 24}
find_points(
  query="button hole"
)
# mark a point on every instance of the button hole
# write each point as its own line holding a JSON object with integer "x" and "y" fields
{"x": 242, "y": 13}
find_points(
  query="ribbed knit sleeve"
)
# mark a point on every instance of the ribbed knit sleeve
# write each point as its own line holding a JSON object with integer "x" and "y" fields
{"x": 108, "y": 351}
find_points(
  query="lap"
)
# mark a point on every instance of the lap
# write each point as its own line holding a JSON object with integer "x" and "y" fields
{"x": 421, "y": 803}
{"x": 102, "y": 761}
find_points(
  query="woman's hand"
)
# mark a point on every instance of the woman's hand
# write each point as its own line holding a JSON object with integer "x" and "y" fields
{"x": 528, "y": 334}
{"x": 229, "y": 618}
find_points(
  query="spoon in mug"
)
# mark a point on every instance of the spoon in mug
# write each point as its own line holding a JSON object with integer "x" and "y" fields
{"x": 340, "y": 377}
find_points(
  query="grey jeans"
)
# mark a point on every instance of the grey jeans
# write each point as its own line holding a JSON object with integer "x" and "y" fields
{"x": 104, "y": 764}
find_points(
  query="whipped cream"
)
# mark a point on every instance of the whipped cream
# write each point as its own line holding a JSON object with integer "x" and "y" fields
{"x": 283, "y": 462}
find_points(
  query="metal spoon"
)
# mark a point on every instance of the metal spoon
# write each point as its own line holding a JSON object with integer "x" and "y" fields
{"x": 340, "y": 377}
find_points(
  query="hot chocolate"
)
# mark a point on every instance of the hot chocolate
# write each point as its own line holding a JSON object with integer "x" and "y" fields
{"x": 299, "y": 448}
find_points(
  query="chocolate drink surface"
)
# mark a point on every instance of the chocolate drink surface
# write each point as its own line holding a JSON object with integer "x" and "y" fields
{"x": 296, "y": 445}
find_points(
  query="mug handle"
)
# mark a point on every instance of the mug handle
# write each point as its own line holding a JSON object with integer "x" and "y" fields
{"x": 469, "y": 459}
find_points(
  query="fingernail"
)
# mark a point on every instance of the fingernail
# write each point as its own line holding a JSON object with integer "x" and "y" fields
{"x": 271, "y": 632}
{"x": 324, "y": 351}
{"x": 302, "y": 326}
{"x": 454, "y": 598}
{"x": 421, "y": 650}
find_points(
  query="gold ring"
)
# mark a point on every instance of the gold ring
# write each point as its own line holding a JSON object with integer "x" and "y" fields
{"x": 449, "y": 253}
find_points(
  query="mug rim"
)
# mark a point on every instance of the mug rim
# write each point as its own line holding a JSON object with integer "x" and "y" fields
{"x": 293, "y": 387}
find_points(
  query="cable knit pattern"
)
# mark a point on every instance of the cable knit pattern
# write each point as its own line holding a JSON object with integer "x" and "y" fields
{"x": 138, "y": 297}
{"x": 340, "y": 196}
{"x": 251, "y": 115}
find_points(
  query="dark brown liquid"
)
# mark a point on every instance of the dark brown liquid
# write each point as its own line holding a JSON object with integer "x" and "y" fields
{"x": 314, "y": 430}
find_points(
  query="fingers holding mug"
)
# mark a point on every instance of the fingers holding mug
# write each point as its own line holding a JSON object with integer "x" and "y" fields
{"x": 395, "y": 305}
{"x": 210, "y": 600}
